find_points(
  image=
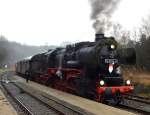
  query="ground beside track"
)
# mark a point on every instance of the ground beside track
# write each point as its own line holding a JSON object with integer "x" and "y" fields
{"x": 5, "y": 107}
{"x": 87, "y": 105}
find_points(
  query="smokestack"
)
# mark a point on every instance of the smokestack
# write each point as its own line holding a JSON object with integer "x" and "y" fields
{"x": 102, "y": 11}
{"x": 99, "y": 37}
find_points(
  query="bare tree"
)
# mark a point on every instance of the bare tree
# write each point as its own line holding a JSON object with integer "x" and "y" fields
{"x": 146, "y": 26}
{"x": 117, "y": 30}
{"x": 122, "y": 36}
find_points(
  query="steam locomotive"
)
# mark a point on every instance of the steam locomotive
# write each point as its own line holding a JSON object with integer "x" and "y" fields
{"x": 88, "y": 69}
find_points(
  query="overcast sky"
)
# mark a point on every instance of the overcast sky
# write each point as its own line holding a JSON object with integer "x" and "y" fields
{"x": 40, "y": 22}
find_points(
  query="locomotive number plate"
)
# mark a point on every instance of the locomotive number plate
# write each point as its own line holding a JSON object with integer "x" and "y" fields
{"x": 111, "y": 60}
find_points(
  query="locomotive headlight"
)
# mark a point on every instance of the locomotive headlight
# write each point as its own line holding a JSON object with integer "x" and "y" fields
{"x": 102, "y": 82}
{"x": 128, "y": 82}
{"x": 112, "y": 46}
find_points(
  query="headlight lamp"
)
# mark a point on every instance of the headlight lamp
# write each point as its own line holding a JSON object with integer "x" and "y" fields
{"x": 101, "y": 82}
{"x": 128, "y": 82}
{"x": 112, "y": 46}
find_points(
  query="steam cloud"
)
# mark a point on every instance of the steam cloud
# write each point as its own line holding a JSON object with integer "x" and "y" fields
{"x": 102, "y": 11}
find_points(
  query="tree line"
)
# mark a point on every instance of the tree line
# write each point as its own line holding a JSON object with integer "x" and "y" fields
{"x": 138, "y": 39}
{"x": 11, "y": 52}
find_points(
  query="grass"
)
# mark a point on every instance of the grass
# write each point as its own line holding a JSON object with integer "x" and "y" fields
{"x": 140, "y": 79}
{"x": 2, "y": 70}
{"x": 137, "y": 76}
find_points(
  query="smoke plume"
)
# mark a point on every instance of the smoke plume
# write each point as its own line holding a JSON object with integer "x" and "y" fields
{"x": 102, "y": 11}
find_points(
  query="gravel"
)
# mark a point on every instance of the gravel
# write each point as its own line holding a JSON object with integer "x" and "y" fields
{"x": 34, "y": 105}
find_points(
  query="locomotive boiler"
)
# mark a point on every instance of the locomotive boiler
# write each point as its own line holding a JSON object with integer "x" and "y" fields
{"x": 89, "y": 69}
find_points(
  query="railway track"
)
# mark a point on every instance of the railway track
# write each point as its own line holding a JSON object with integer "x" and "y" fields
{"x": 18, "y": 102}
{"x": 19, "y": 106}
{"x": 28, "y": 99}
{"x": 145, "y": 100}
{"x": 131, "y": 102}
{"x": 136, "y": 103}
{"x": 28, "y": 104}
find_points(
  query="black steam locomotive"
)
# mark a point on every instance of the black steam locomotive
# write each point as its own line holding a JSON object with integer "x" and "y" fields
{"x": 89, "y": 69}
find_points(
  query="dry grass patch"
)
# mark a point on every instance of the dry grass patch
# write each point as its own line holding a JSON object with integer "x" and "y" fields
{"x": 137, "y": 76}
